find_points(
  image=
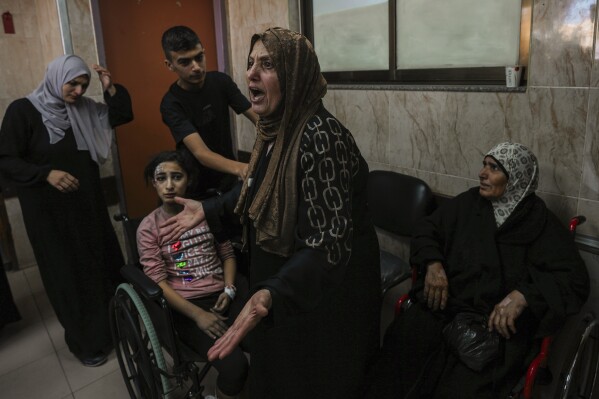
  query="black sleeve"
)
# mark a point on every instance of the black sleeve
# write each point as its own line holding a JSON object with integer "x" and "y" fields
{"x": 173, "y": 116}
{"x": 559, "y": 283}
{"x": 120, "y": 109}
{"x": 15, "y": 136}
{"x": 220, "y": 210}
{"x": 429, "y": 238}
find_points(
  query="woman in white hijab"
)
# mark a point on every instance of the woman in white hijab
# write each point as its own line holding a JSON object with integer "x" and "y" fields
{"x": 494, "y": 251}
{"x": 51, "y": 143}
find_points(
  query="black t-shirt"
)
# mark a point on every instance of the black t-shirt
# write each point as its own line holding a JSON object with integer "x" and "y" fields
{"x": 206, "y": 112}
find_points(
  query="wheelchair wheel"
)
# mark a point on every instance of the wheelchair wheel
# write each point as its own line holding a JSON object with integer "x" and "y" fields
{"x": 138, "y": 350}
{"x": 579, "y": 378}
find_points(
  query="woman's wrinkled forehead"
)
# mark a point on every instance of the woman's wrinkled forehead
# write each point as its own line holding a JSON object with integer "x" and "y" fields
{"x": 273, "y": 46}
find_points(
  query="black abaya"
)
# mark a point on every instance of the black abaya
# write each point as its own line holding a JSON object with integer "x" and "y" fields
{"x": 73, "y": 240}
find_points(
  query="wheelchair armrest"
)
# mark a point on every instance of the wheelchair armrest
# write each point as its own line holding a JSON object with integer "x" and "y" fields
{"x": 403, "y": 302}
{"x": 145, "y": 285}
{"x": 538, "y": 362}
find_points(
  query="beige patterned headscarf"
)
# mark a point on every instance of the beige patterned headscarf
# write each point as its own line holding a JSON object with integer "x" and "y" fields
{"x": 522, "y": 170}
{"x": 273, "y": 210}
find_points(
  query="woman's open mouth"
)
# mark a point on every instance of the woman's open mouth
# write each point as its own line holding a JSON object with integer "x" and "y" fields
{"x": 256, "y": 94}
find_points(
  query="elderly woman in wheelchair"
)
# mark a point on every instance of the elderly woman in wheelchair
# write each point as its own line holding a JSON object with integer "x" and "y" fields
{"x": 196, "y": 272}
{"x": 496, "y": 273}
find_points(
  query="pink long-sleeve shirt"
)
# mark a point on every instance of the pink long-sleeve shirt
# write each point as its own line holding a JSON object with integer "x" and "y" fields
{"x": 192, "y": 265}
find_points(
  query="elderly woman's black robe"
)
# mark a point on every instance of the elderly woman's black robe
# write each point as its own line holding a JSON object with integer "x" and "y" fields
{"x": 531, "y": 252}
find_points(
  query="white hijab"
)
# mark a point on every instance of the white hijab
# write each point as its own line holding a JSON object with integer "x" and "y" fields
{"x": 88, "y": 119}
{"x": 523, "y": 177}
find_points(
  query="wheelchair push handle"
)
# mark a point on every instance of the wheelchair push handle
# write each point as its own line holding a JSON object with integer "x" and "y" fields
{"x": 575, "y": 222}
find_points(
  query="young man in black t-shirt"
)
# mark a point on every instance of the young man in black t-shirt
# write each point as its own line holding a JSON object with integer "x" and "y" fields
{"x": 196, "y": 109}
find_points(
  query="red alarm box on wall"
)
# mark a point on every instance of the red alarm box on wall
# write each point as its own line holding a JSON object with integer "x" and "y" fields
{"x": 9, "y": 26}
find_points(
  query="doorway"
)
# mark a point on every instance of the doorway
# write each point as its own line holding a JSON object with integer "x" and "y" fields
{"x": 131, "y": 33}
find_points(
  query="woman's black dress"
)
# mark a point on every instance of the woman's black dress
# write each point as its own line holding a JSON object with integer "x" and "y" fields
{"x": 73, "y": 240}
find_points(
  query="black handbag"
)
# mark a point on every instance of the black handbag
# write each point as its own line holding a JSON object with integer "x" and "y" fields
{"x": 468, "y": 338}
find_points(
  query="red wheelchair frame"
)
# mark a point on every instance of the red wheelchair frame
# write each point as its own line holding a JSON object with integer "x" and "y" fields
{"x": 540, "y": 361}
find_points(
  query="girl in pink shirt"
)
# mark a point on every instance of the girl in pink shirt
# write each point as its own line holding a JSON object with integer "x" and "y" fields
{"x": 196, "y": 271}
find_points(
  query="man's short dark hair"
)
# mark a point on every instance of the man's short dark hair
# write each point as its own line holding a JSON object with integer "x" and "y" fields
{"x": 179, "y": 38}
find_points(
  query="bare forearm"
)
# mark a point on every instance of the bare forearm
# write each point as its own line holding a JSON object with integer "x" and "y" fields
{"x": 230, "y": 269}
{"x": 179, "y": 303}
{"x": 217, "y": 162}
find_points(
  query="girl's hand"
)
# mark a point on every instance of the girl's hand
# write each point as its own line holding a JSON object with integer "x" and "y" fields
{"x": 211, "y": 324}
{"x": 242, "y": 171}
{"x": 222, "y": 304}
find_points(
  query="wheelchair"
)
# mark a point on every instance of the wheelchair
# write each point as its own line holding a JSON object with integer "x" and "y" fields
{"x": 154, "y": 362}
{"x": 578, "y": 379}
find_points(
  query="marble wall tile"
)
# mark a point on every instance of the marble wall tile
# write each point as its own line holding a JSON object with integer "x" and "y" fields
{"x": 378, "y": 166}
{"x": 83, "y": 39}
{"x": 246, "y": 133}
{"x": 366, "y": 115}
{"x": 246, "y": 17}
{"x": 258, "y": 12}
{"x": 446, "y": 184}
{"x": 329, "y": 101}
{"x": 562, "y": 43}
{"x": 590, "y": 162}
{"x": 20, "y": 70}
{"x": 556, "y": 132}
{"x": 12, "y": 6}
{"x": 441, "y": 137}
{"x": 438, "y": 183}
{"x": 443, "y": 132}
{"x": 27, "y": 22}
{"x": 595, "y": 68}
{"x": 79, "y": 12}
{"x": 51, "y": 40}
{"x": 563, "y": 207}
{"x": 590, "y": 209}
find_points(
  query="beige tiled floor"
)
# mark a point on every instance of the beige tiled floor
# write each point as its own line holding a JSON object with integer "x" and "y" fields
{"x": 35, "y": 362}
{"x": 34, "y": 359}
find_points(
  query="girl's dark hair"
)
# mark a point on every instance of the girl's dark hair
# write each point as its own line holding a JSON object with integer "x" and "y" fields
{"x": 169, "y": 156}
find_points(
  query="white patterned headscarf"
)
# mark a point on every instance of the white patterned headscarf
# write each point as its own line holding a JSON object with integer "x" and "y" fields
{"x": 88, "y": 119}
{"x": 522, "y": 170}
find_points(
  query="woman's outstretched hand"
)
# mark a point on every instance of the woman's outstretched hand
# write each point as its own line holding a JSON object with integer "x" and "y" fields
{"x": 436, "y": 286}
{"x": 504, "y": 315}
{"x": 191, "y": 215}
{"x": 254, "y": 310}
